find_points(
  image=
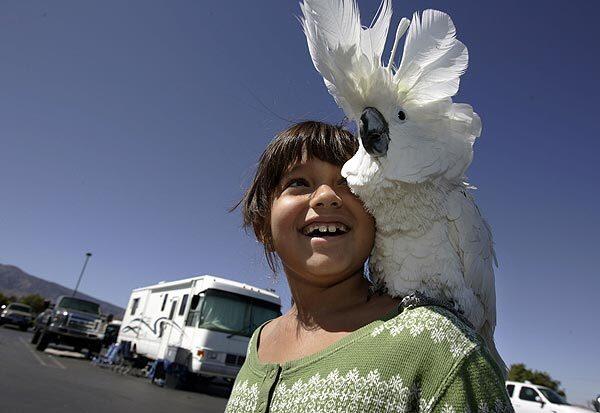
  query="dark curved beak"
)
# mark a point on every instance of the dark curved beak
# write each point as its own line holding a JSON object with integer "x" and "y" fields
{"x": 374, "y": 132}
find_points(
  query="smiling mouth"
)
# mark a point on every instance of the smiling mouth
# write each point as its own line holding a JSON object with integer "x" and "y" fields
{"x": 323, "y": 230}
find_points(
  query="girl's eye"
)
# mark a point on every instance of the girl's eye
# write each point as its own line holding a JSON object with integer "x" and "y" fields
{"x": 296, "y": 182}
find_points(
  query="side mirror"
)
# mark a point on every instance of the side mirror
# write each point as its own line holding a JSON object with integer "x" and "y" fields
{"x": 540, "y": 401}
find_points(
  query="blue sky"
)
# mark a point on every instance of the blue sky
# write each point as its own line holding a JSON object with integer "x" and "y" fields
{"x": 129, "y": 128}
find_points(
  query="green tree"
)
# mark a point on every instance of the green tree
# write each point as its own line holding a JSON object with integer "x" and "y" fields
{"x": 518, "y": 372}
{"x": 35, "y": 301}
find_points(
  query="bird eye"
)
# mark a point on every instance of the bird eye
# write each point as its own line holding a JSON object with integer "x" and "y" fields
{"x": 401, "y": 115}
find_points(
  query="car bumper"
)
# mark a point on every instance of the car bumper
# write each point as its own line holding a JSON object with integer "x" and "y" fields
{"x": 207, "y": 368}
{"x": 14, "y": 320}
{"x": 76, "y": 334}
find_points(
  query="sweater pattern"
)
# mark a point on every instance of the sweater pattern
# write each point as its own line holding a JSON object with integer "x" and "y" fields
{"x": 440, "y": 327}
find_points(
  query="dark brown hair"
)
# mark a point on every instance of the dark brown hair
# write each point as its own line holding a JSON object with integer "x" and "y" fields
{"x": 312, "y": 139}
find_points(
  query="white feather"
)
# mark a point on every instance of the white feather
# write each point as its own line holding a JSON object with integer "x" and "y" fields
{"x": 330, "y": 26}
{"x": 402, "y": 27}
{"x": 433, "y": 59}
{"x": 430, "y": 235}
{"x": 372, "y": 39}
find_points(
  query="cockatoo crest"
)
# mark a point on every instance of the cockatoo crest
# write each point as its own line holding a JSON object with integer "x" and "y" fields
{"x": 349, "y": 57}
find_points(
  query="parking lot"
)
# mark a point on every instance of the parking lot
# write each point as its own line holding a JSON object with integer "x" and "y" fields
{"x": 59, "y": 380}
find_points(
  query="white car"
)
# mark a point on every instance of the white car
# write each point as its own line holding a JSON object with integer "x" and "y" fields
{"x": 531, "y": 398}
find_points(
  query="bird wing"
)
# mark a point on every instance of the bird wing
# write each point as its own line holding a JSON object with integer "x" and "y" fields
{"x": 472, "y": 239}
{"x": 433, "y": 59}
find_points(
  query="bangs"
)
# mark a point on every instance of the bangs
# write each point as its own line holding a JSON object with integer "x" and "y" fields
{"x": 311, "y": 140}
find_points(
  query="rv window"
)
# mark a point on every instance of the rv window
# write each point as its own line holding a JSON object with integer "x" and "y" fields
{"x": 233, "y": 313}
{"x": 183, "y": 304}
{"x": 195, "y": 301}
{"x": 195, "y": 309}
{"x": 134, "y": 305}
{"x": 173, "y": 306}
{"x": 162, "y": 308}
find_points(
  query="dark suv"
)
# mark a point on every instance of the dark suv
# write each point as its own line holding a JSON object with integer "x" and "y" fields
{"x": 73, "y": 322}
{"x": 17, "y": 314}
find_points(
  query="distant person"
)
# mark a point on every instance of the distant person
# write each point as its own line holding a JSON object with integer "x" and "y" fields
{"x": 344, "y": 345}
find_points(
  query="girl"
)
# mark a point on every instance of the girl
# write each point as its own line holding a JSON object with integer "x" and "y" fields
{"x": 343, "y": 347}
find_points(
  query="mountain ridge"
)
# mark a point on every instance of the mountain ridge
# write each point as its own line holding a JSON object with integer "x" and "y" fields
{"x": 15, "y": 281}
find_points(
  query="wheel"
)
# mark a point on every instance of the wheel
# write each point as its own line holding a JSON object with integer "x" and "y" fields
{"x": 43, "y": 342}
{"x": 96, "y": 347}
{"x": 23, "y": 327}
{"x": 93, "y": 349}
{"x": 35, "y": 337}
{"x": 176, "y": 378}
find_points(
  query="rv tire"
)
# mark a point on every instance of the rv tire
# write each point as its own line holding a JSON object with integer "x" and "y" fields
{"x": 177, "y": 378}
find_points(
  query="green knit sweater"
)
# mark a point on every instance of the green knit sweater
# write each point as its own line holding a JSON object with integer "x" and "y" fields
{"x": 424, "y": 359}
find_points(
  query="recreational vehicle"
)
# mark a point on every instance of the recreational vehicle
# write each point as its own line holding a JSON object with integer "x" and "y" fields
{"x": 202, "y": 323}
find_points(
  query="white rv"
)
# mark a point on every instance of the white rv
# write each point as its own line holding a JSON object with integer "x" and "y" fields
{"x": 203, "y": 323}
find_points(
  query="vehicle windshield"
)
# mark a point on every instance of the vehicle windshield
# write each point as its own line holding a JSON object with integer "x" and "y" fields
{"x": 76, "y": 304}
{"x": 19, "y": 307}
{"x": 552, "y": 396}
{"x": 230, "y": 313}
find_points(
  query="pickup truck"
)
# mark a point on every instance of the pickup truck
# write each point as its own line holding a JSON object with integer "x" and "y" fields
{"x": 71, "y": 321}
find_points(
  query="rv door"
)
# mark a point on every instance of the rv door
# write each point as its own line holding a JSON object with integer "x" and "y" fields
{"x": 166, "y": 330}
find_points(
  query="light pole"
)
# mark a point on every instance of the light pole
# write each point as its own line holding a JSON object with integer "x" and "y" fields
{"x": 87, "y": 257}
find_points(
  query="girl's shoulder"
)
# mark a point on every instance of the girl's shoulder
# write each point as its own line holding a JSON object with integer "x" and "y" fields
{"x": 431, "y": 325}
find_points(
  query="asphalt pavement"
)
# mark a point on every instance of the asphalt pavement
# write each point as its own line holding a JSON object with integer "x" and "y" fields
{"x": 62, "y": 381}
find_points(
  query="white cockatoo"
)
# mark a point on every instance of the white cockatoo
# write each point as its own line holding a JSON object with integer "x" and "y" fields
{"x": 415, "y": 146}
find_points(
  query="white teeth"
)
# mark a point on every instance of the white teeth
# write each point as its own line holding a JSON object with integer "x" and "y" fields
{"x": 325, "y": 228}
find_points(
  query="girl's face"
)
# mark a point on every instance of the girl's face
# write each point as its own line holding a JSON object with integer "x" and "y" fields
{"x": 320, "y": 230}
